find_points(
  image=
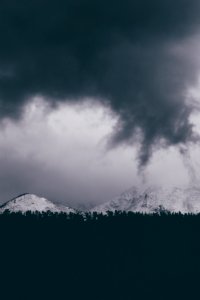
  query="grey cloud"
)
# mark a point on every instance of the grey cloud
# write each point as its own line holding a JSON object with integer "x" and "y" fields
{"x": 76, "y": 169}
{"x": 35, "y": 158}
{"x": 136, "y": 55}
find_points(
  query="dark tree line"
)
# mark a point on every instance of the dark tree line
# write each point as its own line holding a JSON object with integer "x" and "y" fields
{"x": 94, "y": 256}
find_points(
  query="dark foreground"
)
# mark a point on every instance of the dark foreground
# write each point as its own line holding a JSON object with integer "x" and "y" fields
{"x": 121, "y": 256}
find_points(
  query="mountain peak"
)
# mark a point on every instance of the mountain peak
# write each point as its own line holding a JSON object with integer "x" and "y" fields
{"x": 30, "y": 202}
{"x": 151, "y": 199}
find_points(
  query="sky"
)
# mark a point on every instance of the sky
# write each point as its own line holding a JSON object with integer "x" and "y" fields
{"x": 98, "y": 96}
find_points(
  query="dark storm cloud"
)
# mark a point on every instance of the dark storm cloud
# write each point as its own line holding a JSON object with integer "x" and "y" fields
{"x": 134, "y": 53}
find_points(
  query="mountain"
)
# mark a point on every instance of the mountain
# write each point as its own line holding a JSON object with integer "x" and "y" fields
{"x": 30, "y": 202}
{"x": 155, "y": 199}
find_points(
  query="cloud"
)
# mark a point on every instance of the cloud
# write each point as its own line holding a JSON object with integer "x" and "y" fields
{"x": 60, "y": 154}
{"x": 138, "y": 57}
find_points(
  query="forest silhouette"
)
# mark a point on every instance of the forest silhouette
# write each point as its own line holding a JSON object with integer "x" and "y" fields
{"x": 94, "y": 256}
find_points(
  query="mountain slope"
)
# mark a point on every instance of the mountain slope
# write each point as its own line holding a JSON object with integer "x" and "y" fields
{"x": 30, "y": 202}
{"x": 154, "y": 199}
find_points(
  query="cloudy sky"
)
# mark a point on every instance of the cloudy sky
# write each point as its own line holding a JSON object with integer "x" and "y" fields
{"x": 98, "y": 96}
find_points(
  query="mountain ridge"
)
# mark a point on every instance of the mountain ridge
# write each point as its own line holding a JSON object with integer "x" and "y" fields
{"x": 152, "y": 199}
{"x": 148, "y": 199}
{"x": 30, "y": 202}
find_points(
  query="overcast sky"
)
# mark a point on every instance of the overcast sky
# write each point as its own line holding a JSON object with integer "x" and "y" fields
{"x": 97, "y": 96}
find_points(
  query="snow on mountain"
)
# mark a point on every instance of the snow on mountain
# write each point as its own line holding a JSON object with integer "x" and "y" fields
{"x": 30, "y": 202}
{"x": 155, "y": 199}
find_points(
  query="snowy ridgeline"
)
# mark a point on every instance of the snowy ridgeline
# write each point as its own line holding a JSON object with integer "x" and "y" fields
{"x": 155, "y": 199}
{"x": 144, "y": 200}
{"x": 30, "y": 202}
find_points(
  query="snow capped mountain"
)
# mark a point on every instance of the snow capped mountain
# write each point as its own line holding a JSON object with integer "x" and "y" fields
{"x": 30, "y": 202}
{"x": 144, "y": 200}
{"x": 155, "y": 199}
